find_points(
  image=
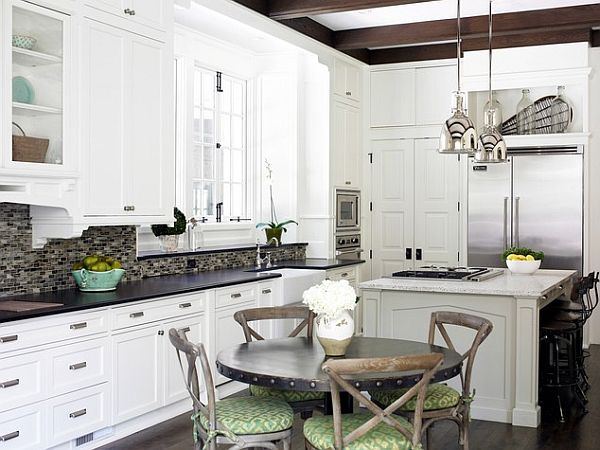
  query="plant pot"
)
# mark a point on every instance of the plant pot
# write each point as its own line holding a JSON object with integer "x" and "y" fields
{"x": 274, "y": 233}
{"x": 335, "y": 334}
{"x": 169, "y": 243}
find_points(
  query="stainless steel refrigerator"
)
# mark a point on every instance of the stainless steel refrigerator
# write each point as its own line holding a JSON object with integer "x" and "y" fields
{"x": 535, "y": 200}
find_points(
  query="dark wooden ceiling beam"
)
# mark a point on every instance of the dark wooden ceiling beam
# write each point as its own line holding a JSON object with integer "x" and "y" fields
{"x": 291, "y": 9}
{"x": 472, "y": 27}
{"x": 448, "y": 51}
{"x": 595, "y": 40}
{"x": 261, "y": 6}
{"x": 311, "y": 29}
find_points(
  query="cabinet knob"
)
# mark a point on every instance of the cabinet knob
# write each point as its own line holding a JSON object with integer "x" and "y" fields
{"x": 127, "y": 11}
{"x": 136, "y": 315}
{"x": 132, "y": 12}
{"x": 266, "y": 291}
{"x": 78, "y": 326}
{"x": 11, "y": 383}
{"x": 348, "y": 93}
{"x": 9, "y": 436}
{"x": 161, "y": 332}
{"x": 75, "y": 414}
{"x": 11, "y": 338}
{"x": 348, "y": 182}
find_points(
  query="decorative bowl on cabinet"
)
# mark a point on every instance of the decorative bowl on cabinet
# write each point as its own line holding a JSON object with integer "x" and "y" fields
{"x": 22, "y": 41}
{"x": 523, "y": 267}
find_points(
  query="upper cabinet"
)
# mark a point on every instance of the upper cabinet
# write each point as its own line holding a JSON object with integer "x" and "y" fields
{"x": 151, "y": 13}
{"x": 411, "y": 96}
{"x": 126, "y": 131}
{"x": 346, "y": 145}
{"x": 347, "y": 81}
{"x": 38, "y": 126}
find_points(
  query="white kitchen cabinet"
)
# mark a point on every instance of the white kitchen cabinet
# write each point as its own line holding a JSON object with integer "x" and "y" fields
{"x": 412, "y": 95}
{"x": 350, "y": 274}
{"x": 269, "y": 294}
{"x": 127, "y": 126}
{"x": 347, "y": 81}
{"x": 346, "y": 151}
{"x": 24, "y": 428}
{"x": 152, "y": 13}
{"x": 415, "y": 215}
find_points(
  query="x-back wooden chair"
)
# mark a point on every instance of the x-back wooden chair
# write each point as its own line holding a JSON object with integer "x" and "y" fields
{"x": 381, "y": 428}
{"x": 242, "y": 422}
{"x": 443, "y": 402}
{"x": 300, "y": 401}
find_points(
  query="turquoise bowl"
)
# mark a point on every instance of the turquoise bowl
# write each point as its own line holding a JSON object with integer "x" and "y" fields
{"x": 90, "y": 281}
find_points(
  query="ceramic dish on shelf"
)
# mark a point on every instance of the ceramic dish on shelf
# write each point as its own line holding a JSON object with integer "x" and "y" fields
{"x": 22, "y": 41}
{"x": 90, "y": 281}
{"x": 22, "y": 90}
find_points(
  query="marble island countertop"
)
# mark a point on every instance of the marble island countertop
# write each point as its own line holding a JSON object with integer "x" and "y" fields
{"x": 507, "y": 284}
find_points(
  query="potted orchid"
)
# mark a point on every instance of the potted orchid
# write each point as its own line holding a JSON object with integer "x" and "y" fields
{"x": 274, "y": 228}
{"x": 332, "y": 302}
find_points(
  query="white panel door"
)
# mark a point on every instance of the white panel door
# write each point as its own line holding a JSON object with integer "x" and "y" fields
{"x": 112, "y": 6}
{"x": 104, "y": 88}
{"x": 433, "y": 87}
{"x": 346, "y": 155}
{"x": 392, "y": 98}
{"x": 138, "y": 373}
{"x": 393, "y": 205}
{"x": 147, "y": 121}
{"x": 195, "y": 328}
{"x": 150, "y": 12}
{"x": 436, "y": 205}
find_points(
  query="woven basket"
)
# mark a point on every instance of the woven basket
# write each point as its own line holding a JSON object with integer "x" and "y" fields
{"x": 28, "y": 149}
{"x": 541, "y": 117}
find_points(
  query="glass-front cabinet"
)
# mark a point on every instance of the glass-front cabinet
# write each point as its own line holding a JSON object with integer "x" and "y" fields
{"x": 37, "y": 83}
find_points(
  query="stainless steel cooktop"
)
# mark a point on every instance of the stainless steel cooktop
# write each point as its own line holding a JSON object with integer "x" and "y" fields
{"x": 449, "y": 273}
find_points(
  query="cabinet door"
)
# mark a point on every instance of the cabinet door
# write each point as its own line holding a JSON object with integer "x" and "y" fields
{"x": 137, "y": 373}
{"x": 346, "y": 80}
{"x": 436, "y": 205}
{"x": 111, "y": 6}
{"x": 195, "y": 328}
{"x": 346, "y": 145}
{"x": 269, "y": 294}
{"x": 150, "y": 153}
{"x": 103, "y": 97}
{"x": 149, "y": 12}
{"x": 393, "y": 206}
{"x": 393, "y": 98}
{"x": 433, "y": 87}
{"x": 228, "y": 332}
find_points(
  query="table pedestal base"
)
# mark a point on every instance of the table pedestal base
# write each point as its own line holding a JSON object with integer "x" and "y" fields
{"x": 346, "y": 402}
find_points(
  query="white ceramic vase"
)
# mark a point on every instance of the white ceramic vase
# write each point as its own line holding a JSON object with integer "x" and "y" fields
{"x": 335, "y": 334}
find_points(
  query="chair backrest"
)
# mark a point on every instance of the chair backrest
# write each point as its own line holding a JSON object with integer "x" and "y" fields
{"x": 337, "y": 368}
{"x": 588, "y": 293}
{"x": 275, "y": 312}
{"x": 483, "y": 328}
{"x": 193, "y": 353}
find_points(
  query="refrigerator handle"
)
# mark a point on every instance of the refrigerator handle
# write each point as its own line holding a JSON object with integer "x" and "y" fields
{"x": 516, "y": 226}
{"x": 505, "y": 235}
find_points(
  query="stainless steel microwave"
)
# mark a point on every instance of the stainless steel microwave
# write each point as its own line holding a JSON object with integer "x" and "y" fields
{"x": 347, "y": 210}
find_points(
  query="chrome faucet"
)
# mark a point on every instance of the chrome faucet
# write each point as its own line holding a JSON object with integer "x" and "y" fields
{"x": 273, "y": 239}
{"x": 260, "y": 260}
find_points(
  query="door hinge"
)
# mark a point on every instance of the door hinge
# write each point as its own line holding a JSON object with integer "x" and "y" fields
{"x": 370, "y": 158}
{"x": 370, "y": 254}
{"x": 370, "y": 206}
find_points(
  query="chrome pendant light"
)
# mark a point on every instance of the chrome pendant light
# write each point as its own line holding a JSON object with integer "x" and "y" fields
{"x": 491, "y": 147}
{"x": 458, "y": 133}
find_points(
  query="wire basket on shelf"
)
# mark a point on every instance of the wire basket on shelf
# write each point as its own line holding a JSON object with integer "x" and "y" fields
{"x": 539, "y": 116}
{"x": 28, "y": 149}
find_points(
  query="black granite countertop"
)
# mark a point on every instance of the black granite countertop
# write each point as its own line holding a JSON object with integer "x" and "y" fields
{"x": 130, "y": 291}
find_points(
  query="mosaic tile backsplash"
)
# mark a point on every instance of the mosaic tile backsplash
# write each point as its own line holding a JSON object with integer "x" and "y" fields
{"x": 25, "y": 270}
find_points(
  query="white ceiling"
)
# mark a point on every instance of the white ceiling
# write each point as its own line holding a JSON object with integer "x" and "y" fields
{"x": 435, "y": 10}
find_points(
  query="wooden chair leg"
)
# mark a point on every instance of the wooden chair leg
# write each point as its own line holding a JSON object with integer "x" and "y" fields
{"x": 465, "y": 432}
{"x": 287, "y": 443}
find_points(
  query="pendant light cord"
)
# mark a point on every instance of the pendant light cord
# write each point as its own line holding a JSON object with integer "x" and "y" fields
{"x": 490, "y": 55}
{"x": 458, "y": 42}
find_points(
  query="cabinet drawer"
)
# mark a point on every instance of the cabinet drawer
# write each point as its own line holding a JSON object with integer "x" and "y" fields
{"x": 20, "y": 380}
{"x": 78, "y": 366}
{"x": 342, "y": 273}
{"x": 129, "y": 316}
{"x": 78, "y": 413}
{"x": 50, "y": 329}
{"x": 21, "y": 429}
{"x": 237, "y": 294}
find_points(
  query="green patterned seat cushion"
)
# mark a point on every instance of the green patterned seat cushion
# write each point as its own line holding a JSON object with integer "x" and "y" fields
{"x": 439, "y": 396}
{"x": 288, "y": 396}
{"x": 319, "y": 432}
{"x": 252, "y": 415}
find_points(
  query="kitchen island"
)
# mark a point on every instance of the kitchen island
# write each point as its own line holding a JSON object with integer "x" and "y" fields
{"x": 505, "y": 375}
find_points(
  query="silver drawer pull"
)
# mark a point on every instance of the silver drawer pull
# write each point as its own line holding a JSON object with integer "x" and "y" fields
{"x": 81, "y": 412}
{"x": 185, "y": 330}
{"x": 344, "y": 275}
{"x": 185, "y": 305}
{"x": 9, "y": 436}
{"x": 78, "y": 326}
{"x": 12, "y": 338}
{"x": 266, "y": 291}
{"x": 348, "y": 93}
{"x": 560, "y": 286}
{"x": 136, "y": 315}
{"x": 237, "y": 295}
{"x": 8, "y": 384}
{"x": 78, "y": 366}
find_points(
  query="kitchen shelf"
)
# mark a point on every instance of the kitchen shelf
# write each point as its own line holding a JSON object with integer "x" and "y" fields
{"x": 34, "y": 110}
{"x": 31, "y": 58}
{"x": 539, "y": 140}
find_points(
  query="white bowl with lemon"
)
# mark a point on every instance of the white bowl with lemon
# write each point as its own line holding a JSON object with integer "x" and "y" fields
{"x": 523, "y": 261}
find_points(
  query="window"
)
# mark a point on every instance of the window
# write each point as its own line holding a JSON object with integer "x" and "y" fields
{"x": 217, "y": 159}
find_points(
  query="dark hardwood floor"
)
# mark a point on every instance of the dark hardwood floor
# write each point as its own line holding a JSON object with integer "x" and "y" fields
{"x": 580, "y": 432}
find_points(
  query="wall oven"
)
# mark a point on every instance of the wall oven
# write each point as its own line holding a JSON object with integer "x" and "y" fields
{"x": 347, "y": 210}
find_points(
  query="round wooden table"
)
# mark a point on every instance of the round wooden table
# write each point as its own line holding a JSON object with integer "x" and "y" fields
{"x": 295, "y": 363}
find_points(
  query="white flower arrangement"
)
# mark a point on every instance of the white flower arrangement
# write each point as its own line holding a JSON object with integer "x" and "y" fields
{"x": 330, "y": 298}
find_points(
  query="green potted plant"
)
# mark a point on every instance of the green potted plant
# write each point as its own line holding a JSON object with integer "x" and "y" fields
{"x": 274, "y": 228}
{"x": 168, "y": 236}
